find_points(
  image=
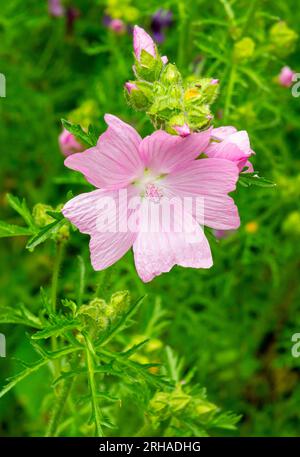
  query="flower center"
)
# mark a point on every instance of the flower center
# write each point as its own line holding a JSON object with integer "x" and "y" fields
{"x": 148, "y": 186}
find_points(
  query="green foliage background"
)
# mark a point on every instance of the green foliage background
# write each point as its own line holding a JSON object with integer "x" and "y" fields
{"x": 231, "y": 325}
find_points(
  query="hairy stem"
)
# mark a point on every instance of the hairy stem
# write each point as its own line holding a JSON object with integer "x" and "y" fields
{"x": 230, "y": 89}
{"x": 58, "y": 408}
{"x": 93, "y": 388}
{"x": 55, "y": 275}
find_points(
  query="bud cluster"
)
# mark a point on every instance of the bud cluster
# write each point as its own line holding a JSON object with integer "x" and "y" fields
{"x": 177, "y": 105}
{"x": 101, "y": 314}
{"x": 165, "y": 405}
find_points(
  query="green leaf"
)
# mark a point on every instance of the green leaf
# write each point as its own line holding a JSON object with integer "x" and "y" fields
{"x": 7, "y": 230}
{"x": 87, "y": 138}
{"x": 56, "y": 329}
{"x": 34, "y": 367}
{"x": 21, "y": 208}
{"x": 45, "y": 233}
{"x": 19, "y": 315}
{"x": 248, "y": 179}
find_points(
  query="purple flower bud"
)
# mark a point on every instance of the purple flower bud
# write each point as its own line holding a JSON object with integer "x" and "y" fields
{"x": 142, "y": 41}
{"x": 68, "y": 143}
{"x": 164, "y": 60}
{"x": 129, "y": 86}
{"x": 285, "y": 77}
{"x": 214, "y": 82}
{"x": 182, "y": 130}
{"x": 117, "y": 26}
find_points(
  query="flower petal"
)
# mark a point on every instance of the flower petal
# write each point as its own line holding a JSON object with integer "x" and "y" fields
{"x": 220, "y": 133}
{"x": 103, "y": 215}
{"x": 164, "y": 153}
{"x": 156, "y": 252}
{"x": 211, "y": 180}
{"x": 141, "y": 40}
{"x": 115, "y": 161}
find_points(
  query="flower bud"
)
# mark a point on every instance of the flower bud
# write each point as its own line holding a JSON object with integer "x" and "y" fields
{"x": 243, "y": 49}
{"x": 283, "y": 39}
{"x": 143, "y": 42}
{"x": 285, "y": 77}
{"x": 138, "y": 95}
{"x": 182, "y": 130}
{"x": 170, "y": 75}
{"x": 120, "y": 301}
{"x": 68, "y": 143}
{"x": 148, "y": 63}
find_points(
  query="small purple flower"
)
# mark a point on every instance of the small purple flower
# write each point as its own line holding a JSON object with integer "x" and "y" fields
{"x": 161, "y": 19}
{"x": 214, "y": 82}
{"x": 55, "y": 8}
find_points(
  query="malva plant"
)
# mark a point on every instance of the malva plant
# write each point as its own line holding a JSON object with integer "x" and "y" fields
{"x": 84, "y": 340}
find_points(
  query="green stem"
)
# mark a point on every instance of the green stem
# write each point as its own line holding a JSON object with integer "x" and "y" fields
{"x": 230, "y": 89}
{"x": 182, "y": 34}
{"x": 93, "y": 388}
{"x": 55, "y": 275}
{"x": 58, "y": 408}
{"x": 56, "y": 268}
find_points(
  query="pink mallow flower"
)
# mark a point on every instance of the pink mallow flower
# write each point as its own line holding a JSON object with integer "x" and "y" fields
{"x": 153, "y": 170}
{"x": 231, "y": 145}
{"x": 285, "y": 77}
{"x": 68, "y": 143}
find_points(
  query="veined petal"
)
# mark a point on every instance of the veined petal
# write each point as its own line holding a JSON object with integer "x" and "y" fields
{"x": 115, "y": 161}
{"x": 103, "y": 215}
{"x": 156, "y": 252}
{"x": 164, "y": 153}
{"x": 211, "y": 180}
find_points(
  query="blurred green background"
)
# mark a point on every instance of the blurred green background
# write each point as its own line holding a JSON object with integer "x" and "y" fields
{"x": 232, "y": 324}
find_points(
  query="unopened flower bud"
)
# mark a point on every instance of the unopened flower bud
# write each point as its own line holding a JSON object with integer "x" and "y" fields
{"x": 283, "y": 39}
{"x": 164, "y": 60}
{"x": 68, "y": 143}
{"x": 142, "y": 41}
{"x": 129, "y": 86}
{"x": 285, "y": 77}
{"x": 170, "y": 75}
{"x": 244, "y": 49}
{"x": 182, "y": 130}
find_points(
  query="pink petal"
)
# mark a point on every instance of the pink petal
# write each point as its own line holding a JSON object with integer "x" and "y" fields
{"x": 115, "y": 161}
{"x": 92, "y": 211}
{"x": 141, "y": 40}
{"x": 164, "y": 153}
{"x": 221, "y": 133}
{"x": 157, "y": 252}
{"x": 210, "y": 179}
{"x": 235, "y": 147}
